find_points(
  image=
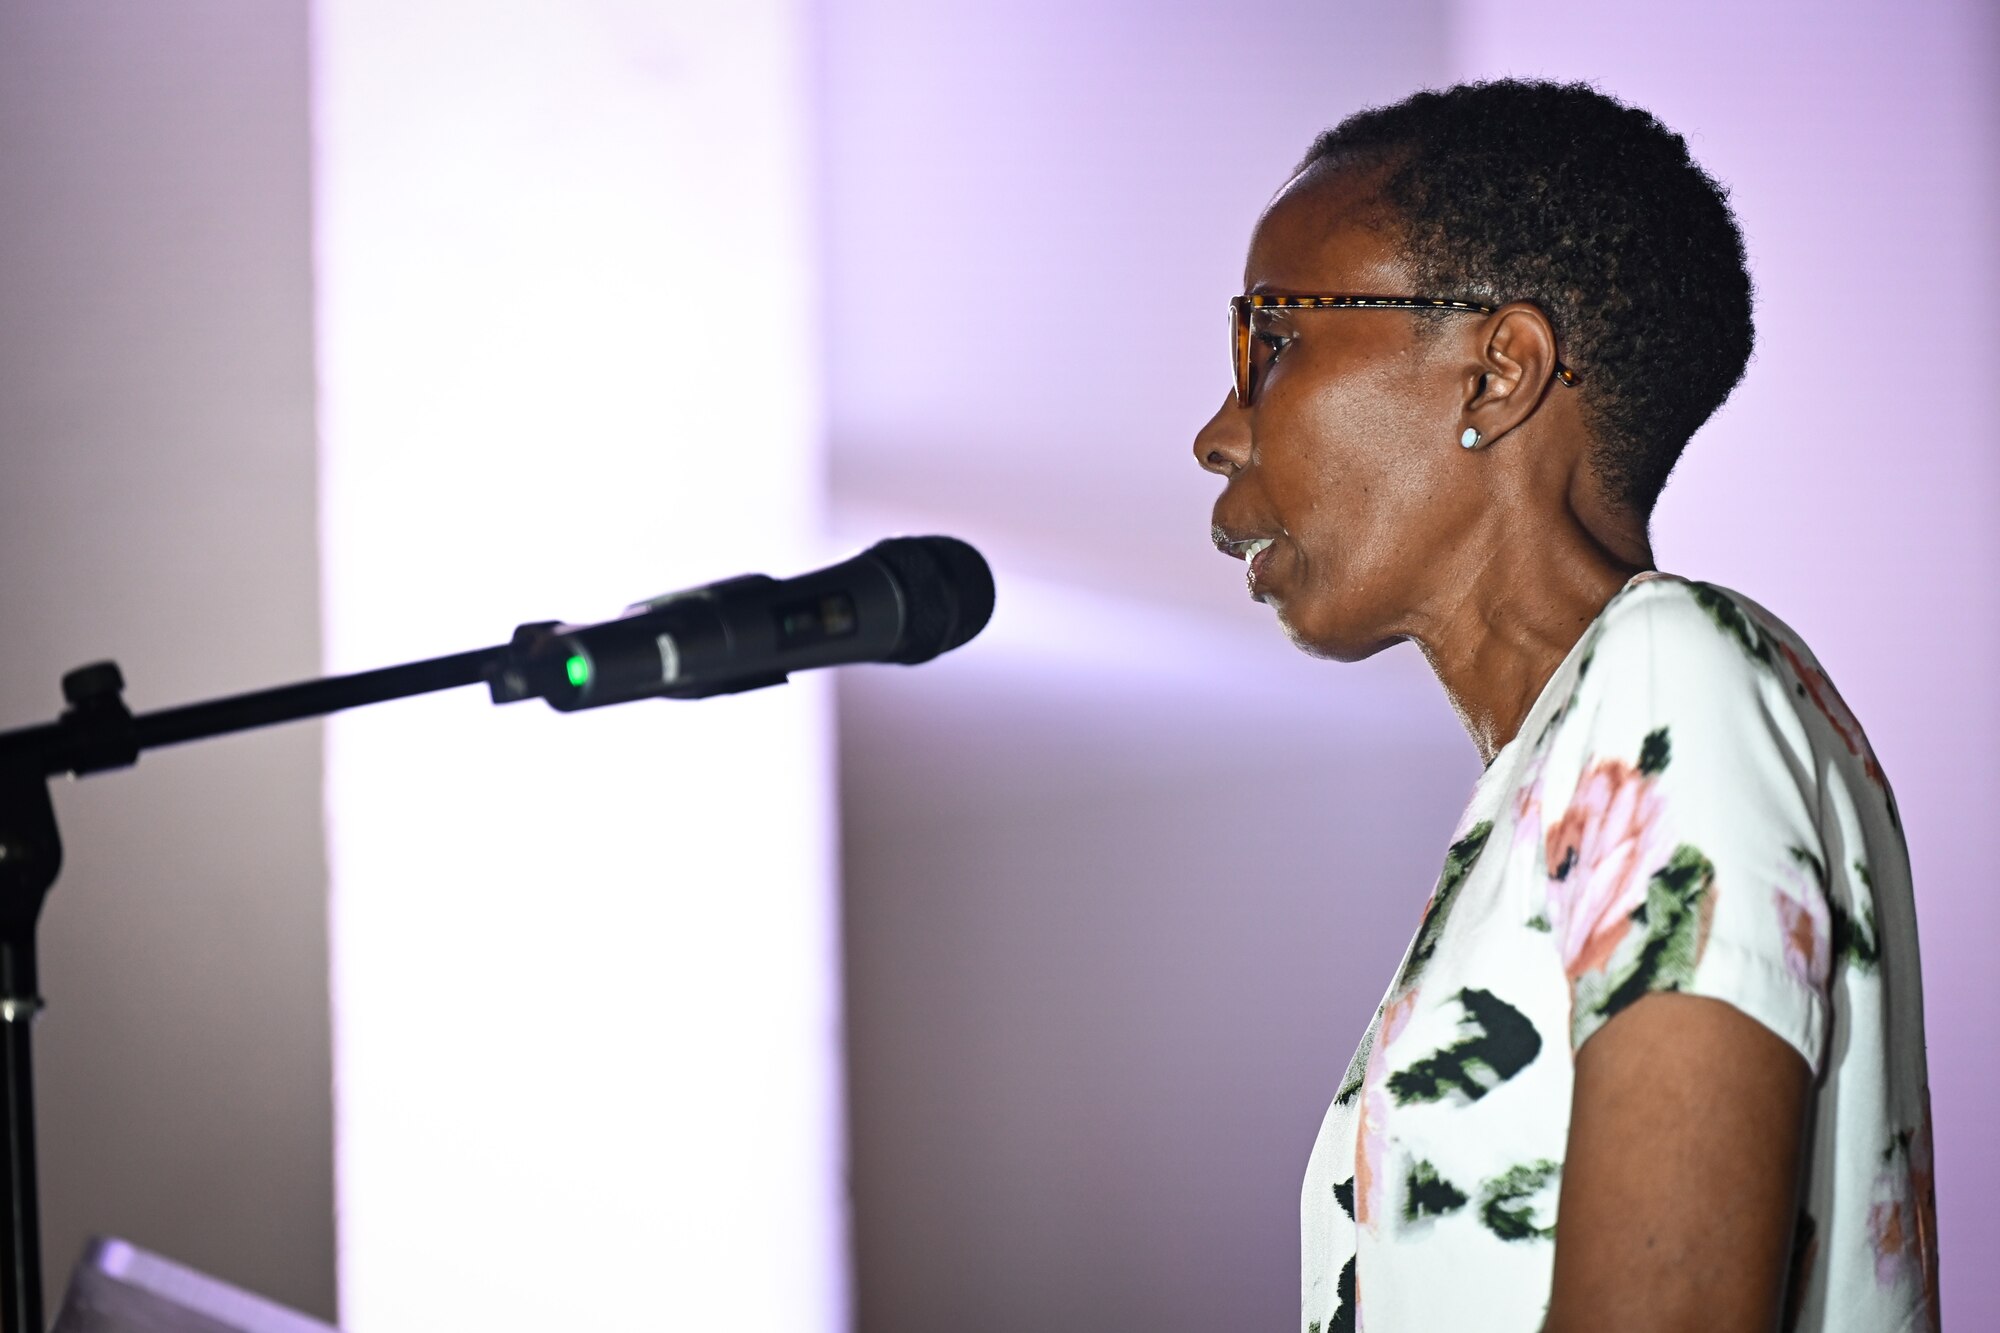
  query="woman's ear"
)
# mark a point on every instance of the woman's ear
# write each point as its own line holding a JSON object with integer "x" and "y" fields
{"x": 1516, "y": 359}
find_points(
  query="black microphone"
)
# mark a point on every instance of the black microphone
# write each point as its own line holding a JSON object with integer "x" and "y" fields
{"x": 905, "y": 600}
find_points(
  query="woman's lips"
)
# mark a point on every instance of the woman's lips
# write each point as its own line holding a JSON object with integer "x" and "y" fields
{"x": 1257, "y": 559}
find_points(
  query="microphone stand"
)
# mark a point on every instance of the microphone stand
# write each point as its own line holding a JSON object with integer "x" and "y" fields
{"x": 97, "y": 732}
{"x": 905, "y": 600}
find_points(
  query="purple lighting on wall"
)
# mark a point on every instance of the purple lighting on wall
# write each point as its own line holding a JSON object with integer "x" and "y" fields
{"x": 1171, "y": 913}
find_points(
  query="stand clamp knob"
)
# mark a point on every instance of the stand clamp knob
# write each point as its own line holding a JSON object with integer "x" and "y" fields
{"x": 97, "y": 723}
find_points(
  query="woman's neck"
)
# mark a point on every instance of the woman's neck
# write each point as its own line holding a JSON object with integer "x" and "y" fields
{"x": 1497, "y": 636}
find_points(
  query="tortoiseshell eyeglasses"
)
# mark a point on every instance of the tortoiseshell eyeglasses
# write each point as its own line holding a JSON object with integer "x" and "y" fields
{"x": 1245, "y": 340}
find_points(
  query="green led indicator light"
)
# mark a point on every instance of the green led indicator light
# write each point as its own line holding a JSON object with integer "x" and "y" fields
{"x": 578, "y": 668}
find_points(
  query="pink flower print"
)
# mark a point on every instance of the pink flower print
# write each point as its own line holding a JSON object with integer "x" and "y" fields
{"x": 1923, "y": 1209}
{"x": 1902, "y": 1222}
{"x": 1834, "y": 709}
{"x": 1599, "y": 855}
{"x": 1371, "y": 1143}
{"x": 1806, "y": 926}
{"x": 1893, "y": 1231}
{"x": 1528, "y": 803}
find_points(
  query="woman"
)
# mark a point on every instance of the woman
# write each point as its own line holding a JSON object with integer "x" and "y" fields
{"x": 1654, "y": 1059}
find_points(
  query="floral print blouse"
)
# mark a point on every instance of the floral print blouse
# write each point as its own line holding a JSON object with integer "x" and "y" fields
{"x": 1689, "y": 806}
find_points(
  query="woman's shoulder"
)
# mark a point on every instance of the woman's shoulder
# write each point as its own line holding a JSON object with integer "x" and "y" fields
{"x": 1669, "y": 656}
{"x": 1677, "y": 627}
{"x": 1694, "y": 653}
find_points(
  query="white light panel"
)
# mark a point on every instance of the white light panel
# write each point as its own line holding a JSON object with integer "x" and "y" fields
{"x": 584, "y": 967}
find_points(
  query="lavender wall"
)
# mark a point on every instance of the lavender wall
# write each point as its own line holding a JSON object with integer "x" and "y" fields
{"x": 156, "y": 505}
{"x": 1125, "y": 879}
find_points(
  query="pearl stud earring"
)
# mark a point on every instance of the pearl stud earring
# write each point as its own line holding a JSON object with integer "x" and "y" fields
{"x": 1470, "y": 439}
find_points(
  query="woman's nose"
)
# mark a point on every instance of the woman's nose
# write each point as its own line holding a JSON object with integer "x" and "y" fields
{"x": 1223, "y": 445}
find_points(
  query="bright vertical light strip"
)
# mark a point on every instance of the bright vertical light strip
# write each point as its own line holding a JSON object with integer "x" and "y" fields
{"x": 583, "y": 967}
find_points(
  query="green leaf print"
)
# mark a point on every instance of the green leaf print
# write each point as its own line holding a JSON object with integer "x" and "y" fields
{"x": 1584, "y": 660}
{"x": 1858, "y": 943}
{"x": 1459, "y": 860}
{"x": 1673, "y": 927}
{"x": 1501, "y": 1041}
{"x": 1427, "y": 1194}
{"x": 1343, "y": 1318}
{"x": 1734, "y": 621}
{"x": 1654, "y": 752}
{"x": 1806, "y": 858}
{"x": 1855, "y": 942}
{"x": 1357, "y": 1068}
{"x": 1507, "y": 1202}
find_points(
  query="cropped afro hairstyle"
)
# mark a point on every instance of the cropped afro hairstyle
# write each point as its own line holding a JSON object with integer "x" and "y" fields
{"x": 1558, "y": 194}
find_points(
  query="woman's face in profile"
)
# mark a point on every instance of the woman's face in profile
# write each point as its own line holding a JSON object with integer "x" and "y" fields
{"x": 1347, "y": 459}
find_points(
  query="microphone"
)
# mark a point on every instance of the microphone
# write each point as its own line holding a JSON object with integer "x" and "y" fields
{"x": 905, "y": 600}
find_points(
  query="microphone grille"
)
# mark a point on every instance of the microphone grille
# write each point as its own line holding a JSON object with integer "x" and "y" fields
{"x": 947, "y": 593}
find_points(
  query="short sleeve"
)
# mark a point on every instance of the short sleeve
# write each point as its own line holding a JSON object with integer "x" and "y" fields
{"x": 1686, "y": 856}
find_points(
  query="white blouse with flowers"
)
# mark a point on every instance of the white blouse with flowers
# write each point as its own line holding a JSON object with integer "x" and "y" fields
{"x": 1689, "y": 806}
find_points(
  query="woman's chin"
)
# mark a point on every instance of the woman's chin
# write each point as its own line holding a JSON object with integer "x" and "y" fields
{"x": 1324, "y": 636}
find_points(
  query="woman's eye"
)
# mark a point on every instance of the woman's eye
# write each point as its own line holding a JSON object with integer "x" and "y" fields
{"x": 1269, "y": 332}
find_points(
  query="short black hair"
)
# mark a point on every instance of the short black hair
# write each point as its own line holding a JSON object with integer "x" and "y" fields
{"x": 1519, "y": 190}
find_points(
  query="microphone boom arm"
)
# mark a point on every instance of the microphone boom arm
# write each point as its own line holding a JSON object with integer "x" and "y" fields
{"x": 904, "y": 600}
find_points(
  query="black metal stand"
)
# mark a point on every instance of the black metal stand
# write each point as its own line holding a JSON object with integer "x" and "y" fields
{"x": 30, "y": 855}
{"x": 97, "y": 732}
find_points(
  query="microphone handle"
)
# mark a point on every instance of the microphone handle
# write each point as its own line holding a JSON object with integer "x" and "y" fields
{"x": 739, "y": 634}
